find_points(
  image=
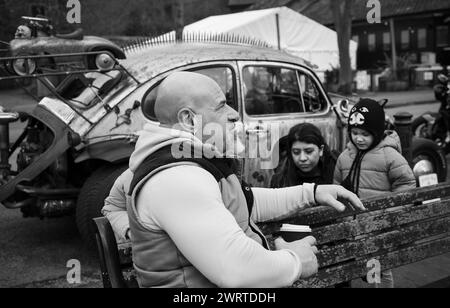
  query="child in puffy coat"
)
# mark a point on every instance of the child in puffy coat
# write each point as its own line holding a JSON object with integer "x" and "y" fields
{"x": 373, "y": 164}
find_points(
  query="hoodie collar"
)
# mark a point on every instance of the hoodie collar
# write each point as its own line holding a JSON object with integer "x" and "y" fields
{"x": 155, "y": 137}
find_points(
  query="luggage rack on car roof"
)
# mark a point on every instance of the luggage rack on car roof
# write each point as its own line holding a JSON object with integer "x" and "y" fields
{"x": 28, "y": 66}
{"x": 193, "y": 37}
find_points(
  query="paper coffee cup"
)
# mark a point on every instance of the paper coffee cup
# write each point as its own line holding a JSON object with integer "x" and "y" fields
{"x": 292, "y": 233}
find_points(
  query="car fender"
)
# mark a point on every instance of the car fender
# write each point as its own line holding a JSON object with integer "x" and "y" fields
{"x": 111, "y": 151}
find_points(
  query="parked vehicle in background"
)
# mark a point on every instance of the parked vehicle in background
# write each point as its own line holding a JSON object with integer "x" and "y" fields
{"x": 77, "y": 143}
{"x": 436, "y": 125}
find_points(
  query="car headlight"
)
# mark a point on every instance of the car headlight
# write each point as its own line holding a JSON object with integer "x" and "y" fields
{"x": 104, "y": 62}
{"x": 423, "y": 167}
{"x": 24, "y": 67}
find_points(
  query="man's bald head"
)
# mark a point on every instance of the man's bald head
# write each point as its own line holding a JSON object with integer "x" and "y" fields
{"x": 185, "y": 90}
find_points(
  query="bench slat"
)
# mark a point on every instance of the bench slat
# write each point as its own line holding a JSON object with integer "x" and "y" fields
{"x": 356, "y": 269}
{"x": 369, "y": 222}
{"x": 384, "y": 241}
{"x": 321, "y": 215}
{"x": 373, "y": 222}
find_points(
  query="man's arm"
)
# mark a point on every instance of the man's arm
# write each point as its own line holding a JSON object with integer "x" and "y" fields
{"x": 276, "y": 204}
{"x": 207, "y": 234}
{"x": 115, "y": 208}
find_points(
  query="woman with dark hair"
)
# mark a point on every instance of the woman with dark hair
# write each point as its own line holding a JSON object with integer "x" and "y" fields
{"x": 308, "y": 159}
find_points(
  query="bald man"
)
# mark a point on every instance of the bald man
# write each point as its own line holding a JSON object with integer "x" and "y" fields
{"x": 192, "y": 223}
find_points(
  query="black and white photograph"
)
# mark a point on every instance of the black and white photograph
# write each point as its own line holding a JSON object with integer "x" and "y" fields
{"x": 249, "y": 146}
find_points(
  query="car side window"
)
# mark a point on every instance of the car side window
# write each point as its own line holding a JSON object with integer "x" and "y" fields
{"x": 221, "y": 74}
{"x": 224, "y": 78}
{"x": 312, "y": 97}
{"x": 271, "y": 90}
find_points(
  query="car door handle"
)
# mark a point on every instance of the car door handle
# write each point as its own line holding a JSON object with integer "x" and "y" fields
{"x": 256, "y": 130}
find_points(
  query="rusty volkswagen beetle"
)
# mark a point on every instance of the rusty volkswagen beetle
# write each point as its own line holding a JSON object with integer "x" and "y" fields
{"x": 76, "y": 143}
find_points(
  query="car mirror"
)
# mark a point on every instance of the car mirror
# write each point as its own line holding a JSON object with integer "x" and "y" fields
{"x": 343, "y": 106}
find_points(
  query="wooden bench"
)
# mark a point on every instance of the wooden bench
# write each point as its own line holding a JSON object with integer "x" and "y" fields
{"x": 398, "y": 229}
{"x": 116, "y": 265}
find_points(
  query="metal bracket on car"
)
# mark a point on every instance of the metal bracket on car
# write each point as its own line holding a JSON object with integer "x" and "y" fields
{"x": 30, "y": 64}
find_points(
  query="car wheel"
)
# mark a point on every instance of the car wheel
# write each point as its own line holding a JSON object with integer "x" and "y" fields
{"x": 428, "y": 158}
{"x": 91, "y": 199}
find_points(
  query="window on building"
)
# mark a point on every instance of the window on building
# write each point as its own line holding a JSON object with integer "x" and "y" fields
{"x": 386, "y": 41}
{"x": 372, "y": 40}
{"x": 422, "y": 38}
{"x": 38, "y": 10}
{"x": 404, "y": 39}
{"x": 442, "y": 35}
{"x": 168, "y": 10}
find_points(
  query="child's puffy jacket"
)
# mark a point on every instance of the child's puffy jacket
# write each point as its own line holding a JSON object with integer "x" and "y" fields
{"x": 383, "y": 168}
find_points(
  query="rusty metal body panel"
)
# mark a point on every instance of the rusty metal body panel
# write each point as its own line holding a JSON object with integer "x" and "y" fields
{"x": 115, "y": 119}
{"x": 150, "y": 65}
{"x": 147, "y": 63}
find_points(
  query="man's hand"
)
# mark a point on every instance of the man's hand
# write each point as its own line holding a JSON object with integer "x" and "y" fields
{"x": 328, "y": 195}
{"x": 306, "y": 251}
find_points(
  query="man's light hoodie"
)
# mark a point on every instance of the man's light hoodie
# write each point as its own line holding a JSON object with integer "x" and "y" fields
{"x": 186, "y": 202}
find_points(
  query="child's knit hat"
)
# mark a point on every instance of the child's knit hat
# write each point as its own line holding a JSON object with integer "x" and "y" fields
{"x": 369, "y": 115}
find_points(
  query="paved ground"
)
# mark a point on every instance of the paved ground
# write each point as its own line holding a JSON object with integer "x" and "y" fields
{"x": 405, "y": 98}
{"x": 34, "y": 253}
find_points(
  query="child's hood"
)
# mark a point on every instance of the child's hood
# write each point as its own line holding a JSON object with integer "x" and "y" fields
{"x": 391, "y": 140}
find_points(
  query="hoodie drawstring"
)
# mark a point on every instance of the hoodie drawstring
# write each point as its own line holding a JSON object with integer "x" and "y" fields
{"x": 355, "y": 172}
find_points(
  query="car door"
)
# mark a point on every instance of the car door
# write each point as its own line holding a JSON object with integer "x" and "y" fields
{"x": 275, "y": 97}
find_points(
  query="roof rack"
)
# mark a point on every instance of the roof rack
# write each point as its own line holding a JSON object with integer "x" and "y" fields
{"x": 30, "y": 65}
{"x": 193, "y": 37}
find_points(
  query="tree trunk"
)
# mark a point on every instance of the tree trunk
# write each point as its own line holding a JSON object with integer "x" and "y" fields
{"x": 342, "y": 12}
{"x": 394, "y": 48}
{"x": 179, "y": 19}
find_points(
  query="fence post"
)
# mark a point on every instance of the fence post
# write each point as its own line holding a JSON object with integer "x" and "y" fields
{"x": 403, "y": 126}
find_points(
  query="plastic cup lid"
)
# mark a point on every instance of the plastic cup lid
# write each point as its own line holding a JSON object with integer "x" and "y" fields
{"x": 295, "y": 228}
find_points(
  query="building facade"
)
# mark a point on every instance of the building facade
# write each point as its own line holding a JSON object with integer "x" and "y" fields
{"x": 116, "y": 17}
{"x": 421, "y": 28}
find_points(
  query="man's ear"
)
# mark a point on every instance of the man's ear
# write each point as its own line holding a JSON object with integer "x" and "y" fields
{"x": 185, "y": 118}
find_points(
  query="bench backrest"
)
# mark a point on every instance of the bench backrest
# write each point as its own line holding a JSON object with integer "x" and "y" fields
{"x": 397, "y": 229}
{"x": 110, "y": 263}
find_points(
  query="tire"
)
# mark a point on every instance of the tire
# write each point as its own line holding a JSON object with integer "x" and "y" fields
{"x": 91, "y": 199}
{"x": 424, "y": 149}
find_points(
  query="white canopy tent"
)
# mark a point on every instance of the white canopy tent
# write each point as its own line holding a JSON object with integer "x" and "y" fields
{"x": 281, "y": 28}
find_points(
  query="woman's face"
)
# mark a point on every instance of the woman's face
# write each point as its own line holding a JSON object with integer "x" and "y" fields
{"x": 306, "y": 156}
